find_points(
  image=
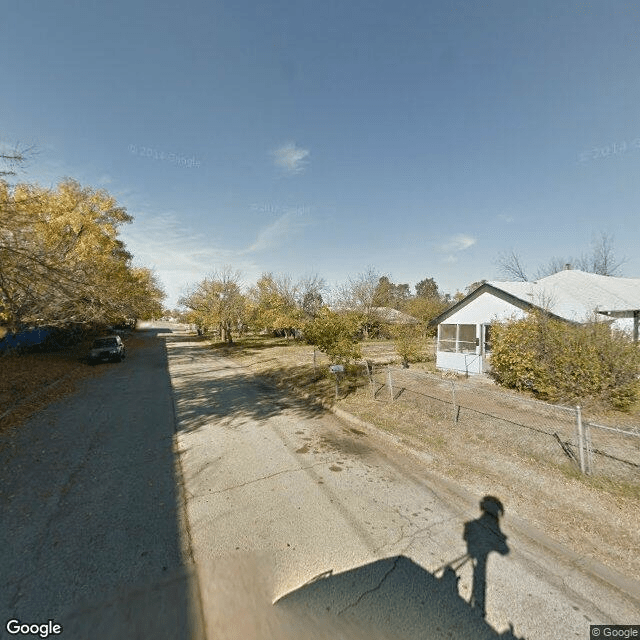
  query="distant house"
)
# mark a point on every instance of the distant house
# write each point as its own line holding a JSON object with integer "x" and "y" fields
{"x": 393, "y": 316}
{"x": 464, "y": 330}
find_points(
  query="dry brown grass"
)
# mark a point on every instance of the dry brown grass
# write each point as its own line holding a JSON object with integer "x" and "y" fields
{"x": 594, "y": 516}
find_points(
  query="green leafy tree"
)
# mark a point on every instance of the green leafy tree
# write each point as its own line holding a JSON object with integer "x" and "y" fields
{"x": 425, "y": 309}
{"x": 427, "y": 288}
{"x": 335, "y": 334}
{"x": 388, "y": 294}
{"x": 408, "y": 342}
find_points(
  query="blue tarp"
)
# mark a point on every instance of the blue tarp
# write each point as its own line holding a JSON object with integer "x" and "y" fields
{"x": 26, "y": 338}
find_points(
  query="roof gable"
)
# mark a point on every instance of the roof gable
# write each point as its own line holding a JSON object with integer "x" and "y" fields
{"x": 571, "y": 295}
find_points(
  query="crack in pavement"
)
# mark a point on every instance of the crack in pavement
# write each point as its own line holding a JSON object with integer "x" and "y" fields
{"x": 376, "y": 588}
{"x": 272, "y": 475}
{"x": 412, "y": 537}
{"x": 402, "y": 531}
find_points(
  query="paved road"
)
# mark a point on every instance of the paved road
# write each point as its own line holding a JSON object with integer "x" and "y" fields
{"x": 92, "y": 531}
{"x": 300, "y": 526}
{"x": 306, "y": 527}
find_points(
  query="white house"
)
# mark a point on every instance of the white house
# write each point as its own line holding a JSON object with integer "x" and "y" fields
{"x": 464, "y": 330}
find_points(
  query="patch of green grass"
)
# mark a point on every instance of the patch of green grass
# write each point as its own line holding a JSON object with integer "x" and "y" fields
{"x": 619, "y": 488}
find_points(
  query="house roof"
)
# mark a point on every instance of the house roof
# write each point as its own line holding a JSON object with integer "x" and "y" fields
{"x": 393, "y": 316}
{"x": 575, "y": 295}
{"x": 570, "y": 294}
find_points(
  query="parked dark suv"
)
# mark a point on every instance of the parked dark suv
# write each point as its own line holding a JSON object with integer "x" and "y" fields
{"x": 109, "y": 348}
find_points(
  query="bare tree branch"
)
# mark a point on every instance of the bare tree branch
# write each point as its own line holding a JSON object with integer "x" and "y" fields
{"x": 602, "y": 258}
{"x": 510, "y": 266}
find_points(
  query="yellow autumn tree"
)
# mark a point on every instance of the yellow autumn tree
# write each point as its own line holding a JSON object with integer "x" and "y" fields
{"x": 217, "y": 301}
{"x": 274, "y": 305}
{"x": 61, "y": 259}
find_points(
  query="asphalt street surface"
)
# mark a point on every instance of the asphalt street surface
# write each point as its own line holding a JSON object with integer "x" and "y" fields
{"x": 177, "y": 496}
{"x": 305, "y": 526}
{"x": 91, "y": 519}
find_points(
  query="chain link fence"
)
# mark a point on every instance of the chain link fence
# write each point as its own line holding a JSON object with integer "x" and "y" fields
{"x": 546, "y": 431}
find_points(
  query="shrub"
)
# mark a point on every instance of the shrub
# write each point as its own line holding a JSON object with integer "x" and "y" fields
{"x": 558, "y": 361}
{"x": 334, "y": 334}
{"x": 408, "y": 343}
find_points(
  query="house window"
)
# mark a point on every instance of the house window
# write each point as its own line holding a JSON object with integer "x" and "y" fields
{"x": 466, "y": 338}
{"x": 460, "y": 338}
{"x": 447, "y": 339}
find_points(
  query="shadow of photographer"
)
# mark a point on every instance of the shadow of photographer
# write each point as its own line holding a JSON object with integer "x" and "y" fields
{"x": 397, "y": 598}
{"x": 483, "y": 535}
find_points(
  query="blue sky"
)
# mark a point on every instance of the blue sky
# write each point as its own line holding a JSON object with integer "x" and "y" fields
{"x": 421, "y": 138}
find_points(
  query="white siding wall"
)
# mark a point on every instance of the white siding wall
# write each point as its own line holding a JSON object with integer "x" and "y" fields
{"x": 463, "y": 362}
{"x": 486, "y": 308}
{"x": 623, "y": 324}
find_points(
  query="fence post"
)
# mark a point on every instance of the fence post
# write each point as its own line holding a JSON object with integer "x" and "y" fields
{"x": 587, "y": 435}
{"x": 580, "y": 438}
{"x": 314, "y": 362}
{"x": 370, "y": 376}
{"x": 390, "y": 381}
{"x": 455, "y": 408}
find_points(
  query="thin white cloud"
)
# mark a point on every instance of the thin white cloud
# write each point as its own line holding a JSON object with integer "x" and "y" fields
{"x": 180, "y": 256}
{"x": 504, "y": 217}
{"x": 456, "y": 243}
{"x": 291, "y": 158}
{"x": 281, "y": 229}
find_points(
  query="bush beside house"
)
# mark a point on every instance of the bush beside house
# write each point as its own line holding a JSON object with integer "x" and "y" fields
{"x": 558, "y": 361}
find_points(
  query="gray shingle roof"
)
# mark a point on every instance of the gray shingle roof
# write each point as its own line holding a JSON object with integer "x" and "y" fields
{"x": 575, "y": 295}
